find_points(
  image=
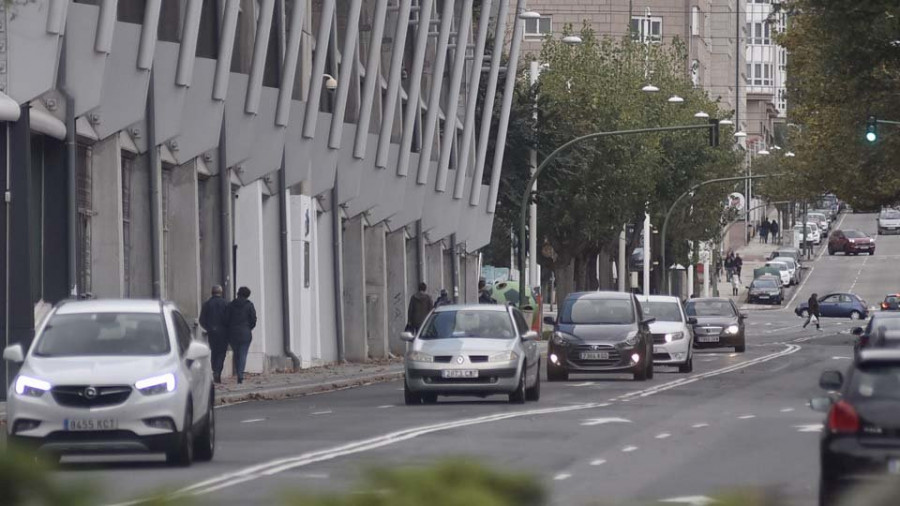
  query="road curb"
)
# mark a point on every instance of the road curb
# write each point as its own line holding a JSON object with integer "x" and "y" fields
{"x": 290, "y": 391}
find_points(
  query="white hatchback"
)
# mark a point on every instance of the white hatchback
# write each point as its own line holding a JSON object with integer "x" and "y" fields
{"x": 113, "y": 376}
{"x": 673, "y": 334}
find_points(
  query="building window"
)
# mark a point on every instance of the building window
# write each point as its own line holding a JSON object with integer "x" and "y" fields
{"x": 538, "y": 28}
{"x": 761, "y": 33}
{"x": 646, "y": 29}
{"x": 760, "y": 74}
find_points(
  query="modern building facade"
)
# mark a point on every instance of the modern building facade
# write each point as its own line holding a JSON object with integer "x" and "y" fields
{"x": 766, "y": 64}
{"x": 327, "y": 154}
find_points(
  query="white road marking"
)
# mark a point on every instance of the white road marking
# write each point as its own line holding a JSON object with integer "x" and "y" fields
{"x": 598, "y": 462}
{"x": 386, "y": 406}
{"x": 315, "y": 476}
{"x": 664, "y": 435}
{"x": 746, "y": 417}
{"x": 601, "y": 421}
{"x": 585, "y": 384}
{"x": 694, "y": 500}
{"x": 629, "y": 449}
{"x": 253, "y": 420}
{"x": 812, "y": 427}
{"x": 841, "y": 358}
{"x": 562, "y": 476}
{"x": 322, "y": 413}
{"x": 786, "y": 410}
{"x": 858, "y": 273}
{"x": 700, "y": 425}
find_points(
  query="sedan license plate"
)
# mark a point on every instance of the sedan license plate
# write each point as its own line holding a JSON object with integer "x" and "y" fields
{"x": 707, "y": 339}
{"x": 659, "y": 349}
{"x": 78, "y": 424}
{"x": 595, "y": 355}
{"x": 894, "y": 466}
{"x": 459, "y": 373}
{"x": 763, "y": 296}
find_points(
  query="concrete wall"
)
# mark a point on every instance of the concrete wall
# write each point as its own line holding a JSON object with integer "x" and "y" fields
{"x": 354, "y": 292}
{"x": 140, "y": 282}
{"x": 398, "y": 294}
{"x": 107, "y": 248}
{"x": 271, "y": 309}
{"x": 210, "y": 235}
{"x": 183, "y": 240}
{"x": 434, "y": 268}
{"x": 250, "y": 258}
{"x": 324, "y": 281}
{"x": 376, "y": 291}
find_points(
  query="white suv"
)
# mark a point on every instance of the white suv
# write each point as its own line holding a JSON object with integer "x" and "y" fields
{"x": 672, "y": 330}
{"x": 113, "y": 376}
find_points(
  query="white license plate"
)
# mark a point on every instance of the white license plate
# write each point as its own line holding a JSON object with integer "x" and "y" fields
{"x": 763, "y": 296}
{"x": 659, "y": 349}
{"x": 595, "y": 355}
{"x": 707, "y": 339}
{"x": 78, "y": 424}
{"x": 459, "y": 373}
{"x": 894, "y": 466}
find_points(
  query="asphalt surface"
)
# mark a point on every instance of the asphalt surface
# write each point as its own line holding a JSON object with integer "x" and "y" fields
{"x": 738, "y": 420}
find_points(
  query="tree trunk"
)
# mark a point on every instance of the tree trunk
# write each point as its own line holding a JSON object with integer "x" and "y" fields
{"x": 565, "y": 278}
{"x": 581, "y": 272}
{"x": 605, "y": 274}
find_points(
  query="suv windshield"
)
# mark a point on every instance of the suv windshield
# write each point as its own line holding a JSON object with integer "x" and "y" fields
{"x": 884, "y": 332}
{"x": 588, "y": 311}
{"x": 103, "y": 334}
{"x": 875, "y": 382}
{"x": 663, "y": 311}
{"x": 709, "y": 308}
{"x": 890, "y": 214}
{"x": 854, "y": 234}
{"x": 468, "y": 323}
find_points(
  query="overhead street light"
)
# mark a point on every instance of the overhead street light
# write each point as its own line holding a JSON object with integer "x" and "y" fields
{"x": 763, "y": 152}
{"x": 740, "y": 134}
{"x": 701, "y": 114}
{"x": 572, "y": 40}
{"x": 650, "y": 89}
{"x": 530, "y": 15}
{"x": 726, "y": 122}
{"x": 675, "y": 99}
{"x": 790, "y": 154}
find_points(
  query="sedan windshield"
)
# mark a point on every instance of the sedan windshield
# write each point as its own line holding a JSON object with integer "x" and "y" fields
{"x": 468, "y": 323}
{"x": 103, "y": 334}
{"x": 764, "y": 284}
{"x": 854, "y": 234}
{"x": 587, "y": 311}
{"x": 884, "y": 332}
{"x": 876, "y": 382}
{"x": 709, "y": 308}
{"x": 663, "y": 311}
{"x": 891, "y": 214}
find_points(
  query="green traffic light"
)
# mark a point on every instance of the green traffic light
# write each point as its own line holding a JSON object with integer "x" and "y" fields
{"x": 871, "y": 137}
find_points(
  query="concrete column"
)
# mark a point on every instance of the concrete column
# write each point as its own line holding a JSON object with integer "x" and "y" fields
{"x": 210, "y": 208}
{"x": 183, "y": 241}
{"x": 249, "y": 259}
{"x": 434, "y": 267}
{"x": 472, "y": 277}
{"x": 355, "y": 345}
{"x": 412, "y": 269}
{"x": 107, "y": 245}
{"x": 376, "y": 291}
{"x": 396, "y": 289}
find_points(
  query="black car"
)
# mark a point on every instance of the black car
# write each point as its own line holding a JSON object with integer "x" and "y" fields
{"x": 765, "y": 290}
{"x": 882, "y": 331}
{"x": 600, "y": 332}
{"x": 861, "y": 439}
{"x": 719, "y": 323}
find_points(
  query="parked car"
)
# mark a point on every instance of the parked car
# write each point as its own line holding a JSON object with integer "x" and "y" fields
{"x": 837, "y": 305}
{"x": 888, "y": 221}
{"x": 812, "y": 234}
{"x": 891, "y": 302}
{"x": 765, "y": 290}
{"x": 787, "y": 251}
{"x": 821, "y": 220}
{"x": 478, "y": 349}
{"x": 793, "y": 268}
{"x": 862, "y": 430}
{"x": 787, "y": 277}
{"x": 600, "y": 332}
{"x": 719, "y": 323}
{"x": 882, "y": 331}
{"x": 672, "y": 331}
{"x": 113, "y": 376}
{"x": 850, "y": 242}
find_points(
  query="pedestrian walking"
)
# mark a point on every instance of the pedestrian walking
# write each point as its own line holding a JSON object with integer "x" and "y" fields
{"x": 735, "y": 284}
{"x": 729, "y": 265}
{"x": 241, "y": 320}
{"x": 420, "y": 304}
{"x": 443, "y": 299}
{"x": 484, "y": 295}
{"x": 764, "y": 231}
{"x": 774, "y": 230}
{"x": 738, "y": 264}
{"x": 813, "y": 312}
{"x": 214, "y": 323}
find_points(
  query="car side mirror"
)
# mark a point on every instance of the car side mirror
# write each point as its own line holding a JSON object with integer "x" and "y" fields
{"x": 14, "y": 353}
{"x": 407, "y": 336}
{"x": 196, "y": 351}
{"x": 648, "y": 321}
{"x": 692, "y": 321}
{"x": 820, "y": 404}
{"x": 549, "y": 320}
{"x": 530, "y": 336}
{"x": 857, "y": 331}
{"x": 745, "y": 315}
{"x": 831, "y": 380}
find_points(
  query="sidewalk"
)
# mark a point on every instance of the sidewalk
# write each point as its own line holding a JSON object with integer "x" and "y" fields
{"x": 754, "y": 255}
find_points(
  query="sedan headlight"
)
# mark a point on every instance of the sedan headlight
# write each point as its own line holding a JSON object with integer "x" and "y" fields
{"x": 632, "y": 338}
{"x": 674, "y": 336}
{"x": 31, "y": 387}
{"x": 732, "y": 329}
{"x": 506, "y": 356}
{"x": 560, "y": 339}
{"x": 161, "y": 384}
{"x": 418, "y": 356}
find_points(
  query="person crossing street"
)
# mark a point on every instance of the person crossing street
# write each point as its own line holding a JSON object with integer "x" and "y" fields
{"x": 813, "y": 312}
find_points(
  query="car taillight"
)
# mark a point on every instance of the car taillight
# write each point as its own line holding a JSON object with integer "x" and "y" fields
{"x": 884, "y": 305}
{"x": 843, "y": 418}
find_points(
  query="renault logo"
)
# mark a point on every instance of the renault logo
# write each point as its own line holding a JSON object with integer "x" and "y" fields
{"x": 90, "y": 393}
{"x": 595, "y": 347}
{"x": 460, "y": 359}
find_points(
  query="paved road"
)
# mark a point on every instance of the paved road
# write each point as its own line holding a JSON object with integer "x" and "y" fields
{"x": 738, "y": 420}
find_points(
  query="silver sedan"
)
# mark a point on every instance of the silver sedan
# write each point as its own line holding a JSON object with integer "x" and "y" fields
{"x": 473, "y": 350}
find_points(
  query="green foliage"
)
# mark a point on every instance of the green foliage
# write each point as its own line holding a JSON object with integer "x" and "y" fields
{"x": 844, "y": 64}
{"x": 25, "y": 480}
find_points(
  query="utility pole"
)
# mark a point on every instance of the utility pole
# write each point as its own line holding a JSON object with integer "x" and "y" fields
{"x": 533, "y": 277}
{"x": 646, "y": 290}
{"x": 623, "y": 266}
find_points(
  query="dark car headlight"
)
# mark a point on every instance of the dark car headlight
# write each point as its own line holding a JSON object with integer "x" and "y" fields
{"x": 561, "y": 339}
{"x": 632, "y": 338}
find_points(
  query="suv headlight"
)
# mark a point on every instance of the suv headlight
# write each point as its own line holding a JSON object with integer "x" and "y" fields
{"x": 632, "y": 338}
{"x": 560, "y": 339}
{"x": 506, "y": 356}
{"x": 161, "y": 384}
{"x": 674, "y": 336}
{"x": 418, "y": 356}
{"x": 31, "y": 387}
{"x": 732, "y": 329}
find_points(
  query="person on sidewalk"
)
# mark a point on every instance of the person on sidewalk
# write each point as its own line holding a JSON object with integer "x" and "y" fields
{"x": 484, "y": 295}
{"x": 774, "y": 230}
{"x": 443, "y": 299}
{"x": 764, "y": 231}
{"x": 420, "y": 304}
{"x": 241, "y": 320}
{"x": 738, "y": 263}
{"x": 813, "y": 311}
{"x": 212, "y": 319}
{"x": 729, "y": 265}
{"x": 735, "y": 284}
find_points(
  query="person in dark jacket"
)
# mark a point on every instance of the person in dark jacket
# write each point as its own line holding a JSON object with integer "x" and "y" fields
{"x": 443, "y": 299}
{"x": 212, "y": 319}
{"x": 484, "y": 295}
{"x": 241, "y": 320}
{"x": 774, "y": 230}
{"x": 738, "y": 264}
{"x": 420, "y": 304}
{"x": 813, "y": 311}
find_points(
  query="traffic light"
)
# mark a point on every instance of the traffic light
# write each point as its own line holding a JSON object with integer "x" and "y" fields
{"x": 713, "y": 132}
{"x": 872, "y": 129}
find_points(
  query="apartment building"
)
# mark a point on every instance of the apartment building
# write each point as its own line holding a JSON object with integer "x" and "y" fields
{"x": 766, "y": 64}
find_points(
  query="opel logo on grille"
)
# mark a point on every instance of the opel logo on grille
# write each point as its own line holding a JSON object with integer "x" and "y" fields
{"x": 460, "y": 359}
{"x": 595, "y": 347}
{"x": 90, "y": 393}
